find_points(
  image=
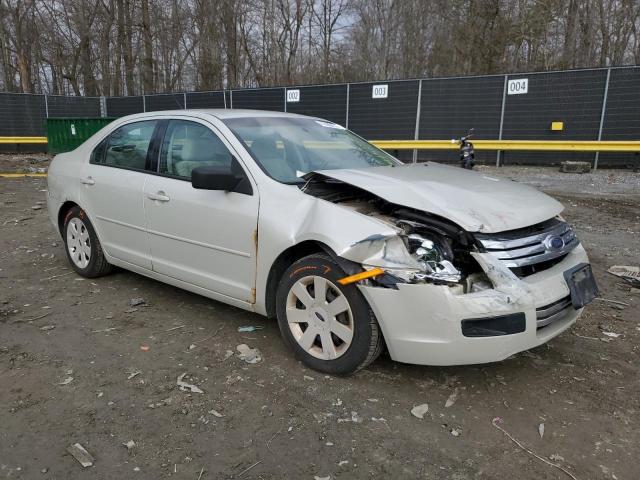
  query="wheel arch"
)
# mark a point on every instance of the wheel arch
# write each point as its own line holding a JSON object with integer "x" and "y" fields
{"x": 65, "y": 208}
{"x": 283, "y": 261}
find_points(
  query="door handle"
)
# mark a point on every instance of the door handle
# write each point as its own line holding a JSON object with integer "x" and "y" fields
{"x": 88, "y": 181}
{"x": 159, "y": 196}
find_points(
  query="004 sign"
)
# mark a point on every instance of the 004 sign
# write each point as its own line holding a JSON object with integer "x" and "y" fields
{"x": 518, "y": 86}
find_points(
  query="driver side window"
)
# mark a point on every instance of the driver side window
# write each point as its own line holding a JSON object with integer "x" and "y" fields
{"x": 188, "y": 145}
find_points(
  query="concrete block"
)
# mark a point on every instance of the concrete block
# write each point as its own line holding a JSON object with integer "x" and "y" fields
{"x": 575, "y": 167}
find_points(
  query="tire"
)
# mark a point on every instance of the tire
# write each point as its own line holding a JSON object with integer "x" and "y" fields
{"x": 82, "y": 245}
{"x": 335, "y": 338}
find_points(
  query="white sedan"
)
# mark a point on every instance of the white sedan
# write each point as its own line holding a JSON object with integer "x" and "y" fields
{"x": 298, "y": 218}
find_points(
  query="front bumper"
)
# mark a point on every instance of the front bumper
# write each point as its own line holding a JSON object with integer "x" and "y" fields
{"x": 422, "y": 323}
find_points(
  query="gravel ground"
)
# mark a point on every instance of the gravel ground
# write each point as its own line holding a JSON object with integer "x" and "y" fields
{"x": 602, "y": 182}
{"x": 78, "y": 363}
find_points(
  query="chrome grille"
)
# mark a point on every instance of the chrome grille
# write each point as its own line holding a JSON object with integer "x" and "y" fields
{"x": 529, "y": 246}
{"x": 550, "y": 313}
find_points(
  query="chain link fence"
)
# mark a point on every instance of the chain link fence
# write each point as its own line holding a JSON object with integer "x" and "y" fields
{"x": 593, "y": 104}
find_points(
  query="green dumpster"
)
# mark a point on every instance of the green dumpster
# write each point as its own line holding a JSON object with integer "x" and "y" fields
{"x": 65, "y": 134}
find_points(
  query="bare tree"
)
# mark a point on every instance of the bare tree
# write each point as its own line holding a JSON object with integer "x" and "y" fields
{"x": 128, "y": 47}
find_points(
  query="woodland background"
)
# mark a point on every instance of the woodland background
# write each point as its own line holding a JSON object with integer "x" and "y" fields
{"x": 129, "y": 47}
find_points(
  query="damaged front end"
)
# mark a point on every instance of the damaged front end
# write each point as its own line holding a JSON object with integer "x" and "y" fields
{"x": 424, "y": 248}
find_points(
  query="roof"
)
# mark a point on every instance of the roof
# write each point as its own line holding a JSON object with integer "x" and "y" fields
{"x": 221, "y": 113}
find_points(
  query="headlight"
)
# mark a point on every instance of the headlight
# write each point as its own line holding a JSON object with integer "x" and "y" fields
{"x": 415, "y": 258}
{"x": 434, "y": 258}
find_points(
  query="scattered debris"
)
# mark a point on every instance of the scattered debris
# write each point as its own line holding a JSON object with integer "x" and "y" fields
{"x": 556, "y": 458}
{"x": 342, "y": 463}
{"x": 133, "y": 374}
{"x": 228, "y": 354}
{"x": 569, "y": 166}
{"x": 66, "y": 381}
{"x": 498, "y": 420}
{"x": 307, "y": 377}
{"x": 247, "y": 354}
{"x": 354, "y": 418}
{"x": 215, "y": 413}
{"x": 38, "y": 317}
{"x": 201, "y": 472}
{"x": 46, "y": 328}
{"x": 105, "y": 330}
{"x": 420, "y": 410}
{"x": 628, "y": 273}
{"x": 175, "y": 328}
{"x": 184, "y": 386}
{"x": 452, "y": 399}
{"x": 249, "y": 468}
{"x": 145, "y": 348}
{"x": 316, "y": 477}
{"x": 541, "y": 430}
{"x": 81, "y": 455}
{"x": 192, "y": 346}
{"x": 615, "y": 302}
{"x": 36, "y": 207}
{"x": 250, "y": 328}
{"x": 136, "y": 302}
{"x": 57, "y": 276}
{"x": 130, "y": 446}
{"x": 455, "y": 432}
{"x": 612, "y": 334}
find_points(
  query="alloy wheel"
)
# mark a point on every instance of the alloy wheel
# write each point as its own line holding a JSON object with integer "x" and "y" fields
{"x": 319, "y": 317}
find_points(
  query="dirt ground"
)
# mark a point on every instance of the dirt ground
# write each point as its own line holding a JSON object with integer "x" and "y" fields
{"x": 79, "y": 364}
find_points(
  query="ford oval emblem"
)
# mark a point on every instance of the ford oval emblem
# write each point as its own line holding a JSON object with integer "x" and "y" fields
{"x": 553, "y": 242}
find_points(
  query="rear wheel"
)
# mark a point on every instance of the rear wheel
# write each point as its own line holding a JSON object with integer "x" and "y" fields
{"x": 82, "y": 245}
{"x": 330, "y": 327}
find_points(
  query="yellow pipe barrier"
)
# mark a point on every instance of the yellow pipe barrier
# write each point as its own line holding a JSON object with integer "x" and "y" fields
{"x": 23, "y": 139}
{"x": 506, "y": 145}
{"x": 21, "y": 175}
{"x": 513, "y": 145}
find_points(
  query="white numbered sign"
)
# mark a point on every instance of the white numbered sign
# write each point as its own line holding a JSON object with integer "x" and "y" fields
{"x": 518, "y": 86}
{"x": 380, "y": 91}
{"x": 293, "y": 96}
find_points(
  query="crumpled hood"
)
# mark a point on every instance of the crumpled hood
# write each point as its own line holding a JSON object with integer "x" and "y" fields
{"x": 476, "y": 202}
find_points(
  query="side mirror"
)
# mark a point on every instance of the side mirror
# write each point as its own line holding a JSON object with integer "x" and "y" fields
{"x": 214, "y": 178}
{"x": 226, "y": 179}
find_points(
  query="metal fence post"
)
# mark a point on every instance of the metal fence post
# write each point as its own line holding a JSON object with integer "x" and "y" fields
{"x": 504, "y": 99}
{"x": 602, "y": 113}
{"x": 46, "y": 106}
{"x": 103, "y": 106}
{"x": 230, "y": 98}
{"x": 144, "y": 104}
{"x": 416, "y": 134}
{"x": 346, "y": 116}
{"x": 285, "y": 98}
{"x": 184, "y": 96}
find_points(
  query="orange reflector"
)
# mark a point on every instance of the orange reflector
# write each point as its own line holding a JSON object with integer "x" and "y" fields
{"x": 361, "y": 276}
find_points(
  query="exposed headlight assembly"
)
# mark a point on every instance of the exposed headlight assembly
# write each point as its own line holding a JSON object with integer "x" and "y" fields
{"x": 414, "y": 258}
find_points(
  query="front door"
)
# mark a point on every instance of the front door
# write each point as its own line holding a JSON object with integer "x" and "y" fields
{"x": 203, "y": 237}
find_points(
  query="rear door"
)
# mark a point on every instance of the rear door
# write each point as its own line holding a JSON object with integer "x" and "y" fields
{"x": 112, "y": 192}
{"x": 203, "y": 237}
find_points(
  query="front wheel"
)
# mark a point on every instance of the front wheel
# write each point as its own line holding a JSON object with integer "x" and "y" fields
{"x": 329, "y": 326}
{"x": 82, "y": 245}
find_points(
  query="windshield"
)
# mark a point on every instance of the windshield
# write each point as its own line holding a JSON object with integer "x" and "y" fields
{"x": 286, "y": 148}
